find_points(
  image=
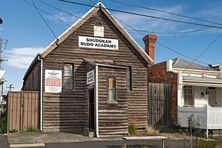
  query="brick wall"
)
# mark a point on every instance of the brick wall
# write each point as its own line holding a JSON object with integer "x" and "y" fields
{"x": 157, "y": 74}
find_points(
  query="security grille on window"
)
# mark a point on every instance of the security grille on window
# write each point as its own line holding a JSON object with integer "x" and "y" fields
{"x": 111, "y": 89}
{"x": 68, "y": 77}
{"x": 188, "y": 96}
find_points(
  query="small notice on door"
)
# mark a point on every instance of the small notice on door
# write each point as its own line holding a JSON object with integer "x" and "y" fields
{"x": 98, "y": 43}
{"x": 53, "y": 81}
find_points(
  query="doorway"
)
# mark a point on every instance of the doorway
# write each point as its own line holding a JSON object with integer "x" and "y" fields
{"x": 91, "y": 110}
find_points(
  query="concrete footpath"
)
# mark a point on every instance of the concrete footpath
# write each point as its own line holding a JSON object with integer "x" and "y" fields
{"x": 40, "y": 140}
{"x": 3, "y": 141}
{"x": 70, "y": 140}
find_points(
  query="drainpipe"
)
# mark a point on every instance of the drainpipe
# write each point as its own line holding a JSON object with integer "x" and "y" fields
{"x": 97, "y": 102}
{"x": 41, "y": 91}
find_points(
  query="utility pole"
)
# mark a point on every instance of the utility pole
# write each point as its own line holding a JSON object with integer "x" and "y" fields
{"x": 10, "y": 87}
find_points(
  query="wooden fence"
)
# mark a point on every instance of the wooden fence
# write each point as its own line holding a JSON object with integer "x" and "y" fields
{"x": 23, "y": 110}
{"x": 159, "y": 104}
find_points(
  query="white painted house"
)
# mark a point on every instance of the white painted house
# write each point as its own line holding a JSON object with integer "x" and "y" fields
{"x": 199, "y": 93}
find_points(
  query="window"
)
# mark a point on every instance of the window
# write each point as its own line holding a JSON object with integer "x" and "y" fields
{"x": 68, "y": 77}
{"x": 111, "y": 89}
{"x": 188, "y": 96}
{"x": 99, "y": 31}
{"x": 212, "y": 98}
{"x": 129, "y": 78}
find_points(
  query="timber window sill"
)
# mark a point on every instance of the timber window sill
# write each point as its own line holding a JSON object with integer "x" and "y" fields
{"x": 112, "y": 102}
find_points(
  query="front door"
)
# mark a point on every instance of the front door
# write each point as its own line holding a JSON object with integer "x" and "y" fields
{"x": 91, "y": 110}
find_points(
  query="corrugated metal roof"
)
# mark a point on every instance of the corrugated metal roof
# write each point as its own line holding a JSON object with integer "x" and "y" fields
{"x": 202, "y": 80}
{"x": 181, "y": 63}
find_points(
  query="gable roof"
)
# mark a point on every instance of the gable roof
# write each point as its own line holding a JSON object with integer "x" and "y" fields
{"x": 181, "y": 63}
{"x": 83, "y": 19}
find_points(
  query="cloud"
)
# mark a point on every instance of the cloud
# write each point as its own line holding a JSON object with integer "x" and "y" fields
{"x": 149, "y": 24}
{"x": 64, "y": 17}
{"x": 22, "y": 57}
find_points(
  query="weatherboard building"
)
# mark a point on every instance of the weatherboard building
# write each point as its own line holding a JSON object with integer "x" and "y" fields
{"x": 92, "y": 79}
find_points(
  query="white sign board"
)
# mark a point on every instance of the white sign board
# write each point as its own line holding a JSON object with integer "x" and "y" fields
{"x": 98, "y": 43}
{"x": 53, "y": 81}
{"x": 90, "y": 77}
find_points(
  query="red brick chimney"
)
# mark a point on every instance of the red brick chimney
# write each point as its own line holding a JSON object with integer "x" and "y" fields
{"x": 149, "y": 41}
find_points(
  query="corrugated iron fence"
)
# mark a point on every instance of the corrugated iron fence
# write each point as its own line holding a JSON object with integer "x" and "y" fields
{"x": 23, "y": 110}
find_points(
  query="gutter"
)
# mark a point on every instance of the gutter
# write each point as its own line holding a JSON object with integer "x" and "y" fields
{"x": 41, "y": 92}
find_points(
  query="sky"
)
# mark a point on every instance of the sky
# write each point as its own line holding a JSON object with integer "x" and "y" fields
{"x": 28, "y": 35}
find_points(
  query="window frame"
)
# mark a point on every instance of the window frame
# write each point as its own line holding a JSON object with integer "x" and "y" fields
{"x": 187, "y": 94}
{"x": 114, "y": 88}
{"x": 64, "y": 76}
{"x": 129, "y": 79}
{"x": 212, "y": 96}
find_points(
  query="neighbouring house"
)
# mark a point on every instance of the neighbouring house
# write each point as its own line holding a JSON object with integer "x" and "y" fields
{"x": 93, "y": 79}
{"x": 196, "y": 91}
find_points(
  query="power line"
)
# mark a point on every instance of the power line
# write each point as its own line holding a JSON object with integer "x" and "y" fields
{"x": 183, "y": 32}
{"x": 163, "y": 44}
{"x": 204, "y": 50}
{"x": 175, "y": 33}
{"x": 136, "y": 30}
{"x": 159, "y": 10}
{"x": 91, "y": 1}
{"x": 48, "y": 14}
{"x": 52, "y": 6}
{"x": 180, "y": 53}
{"x": 37, "y": 10}
{"x": 196, "y": 59}
{"x": 144, "y": 15}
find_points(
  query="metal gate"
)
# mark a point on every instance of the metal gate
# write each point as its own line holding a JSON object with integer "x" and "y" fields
{"x": 159, "y": 104}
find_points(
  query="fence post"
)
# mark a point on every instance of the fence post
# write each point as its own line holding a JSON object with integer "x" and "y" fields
{"x": 8, "y": 113}
{"x": 207, "y": 121}
{"x": 21, "y": 109}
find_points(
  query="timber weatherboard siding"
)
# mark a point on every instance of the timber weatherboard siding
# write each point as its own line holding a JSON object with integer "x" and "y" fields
{"x": 112, "y": 115}
{"x": 68, "y": 111}
{"x": 32, "y": 81}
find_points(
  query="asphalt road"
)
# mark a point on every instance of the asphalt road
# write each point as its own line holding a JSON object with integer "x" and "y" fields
{"x": 119, "y": 143}
{"x": 3, "y": 141}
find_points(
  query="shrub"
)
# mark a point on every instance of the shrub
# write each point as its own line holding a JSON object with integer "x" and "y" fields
{"x": 3, "y": 124}
{"x": 13, "y": 131}
{"x": 151, "y": 131}
{"x": 205, "y": 143}
{"x": 30, "y": 129}
{"x": 132, "y": 130}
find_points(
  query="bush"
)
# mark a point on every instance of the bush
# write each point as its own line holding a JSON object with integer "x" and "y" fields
{"x": 151, "y": 131}
{"x": 3, "y": 124}
{"x": 205, "y": 143}
{"x": 13, "y": 131}
{"x": 30, "y": 129}
{"x": 132, "y": 130}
